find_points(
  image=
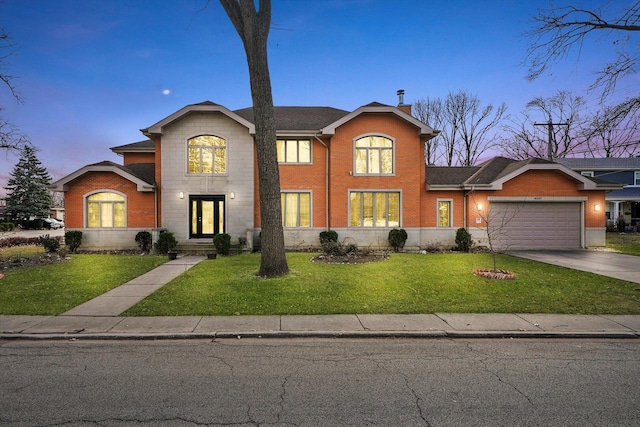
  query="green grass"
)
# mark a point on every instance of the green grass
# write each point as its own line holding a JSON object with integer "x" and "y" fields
{"x": 626, "y": 243}
{"x": 56, "y": 288}
{"x": 406, "y": 283}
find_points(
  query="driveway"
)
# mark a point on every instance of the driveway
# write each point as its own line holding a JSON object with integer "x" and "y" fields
{"x": 32, "y": 233}
{"x": 611, "y": 264}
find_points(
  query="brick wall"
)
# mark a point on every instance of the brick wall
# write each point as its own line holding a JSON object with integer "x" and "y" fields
{"x": 140, "y": 205}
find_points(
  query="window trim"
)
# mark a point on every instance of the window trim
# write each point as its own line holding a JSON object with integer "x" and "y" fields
{"x": 212, "y": 173}
{"x": 385, "y": 191}
{"x": 85, "y": 208}
{"x": 450, "y": 201}
{"x": 298, "y": 193}
{"x": 636, "y": 178}
{"x": 297, "y": 140}
{"x": 393, "y": 154}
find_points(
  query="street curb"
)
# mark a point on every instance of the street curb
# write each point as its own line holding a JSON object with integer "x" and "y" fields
{"x": 321, "y": 334}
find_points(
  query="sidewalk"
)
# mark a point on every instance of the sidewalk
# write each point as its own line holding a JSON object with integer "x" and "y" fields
{"x": 329, "y": 326}
{"x": 100, "y": 318}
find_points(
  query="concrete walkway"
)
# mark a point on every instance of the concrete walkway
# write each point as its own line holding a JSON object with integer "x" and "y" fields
{"x": 100, "y": 317}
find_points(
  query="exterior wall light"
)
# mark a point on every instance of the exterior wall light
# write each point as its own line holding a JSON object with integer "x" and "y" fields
{"x": 596, "y": 207}
{"x": 181, "y": 195}
{"x": 480, "y": 206}
{"x": 232, "y": 195}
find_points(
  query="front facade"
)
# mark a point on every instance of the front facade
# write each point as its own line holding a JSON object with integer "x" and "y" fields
{"x": 360, "y": 173}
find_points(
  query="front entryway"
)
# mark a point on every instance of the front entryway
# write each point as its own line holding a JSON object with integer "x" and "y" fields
{"x": 207, "y": 216}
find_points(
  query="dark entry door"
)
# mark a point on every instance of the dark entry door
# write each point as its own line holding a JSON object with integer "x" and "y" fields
{"x": 207, "y": 216}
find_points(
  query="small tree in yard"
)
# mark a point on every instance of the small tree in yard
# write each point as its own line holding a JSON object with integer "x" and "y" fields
{"x": 495, "y": 227}
{"x": 27, "y": 193}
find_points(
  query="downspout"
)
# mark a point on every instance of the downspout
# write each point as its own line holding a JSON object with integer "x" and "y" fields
{"x": 326, "y": 182}
{"x": 155, "y": 204}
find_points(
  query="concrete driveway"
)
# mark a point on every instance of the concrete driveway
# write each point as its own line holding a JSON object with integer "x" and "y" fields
{"x": 611, "y": 264}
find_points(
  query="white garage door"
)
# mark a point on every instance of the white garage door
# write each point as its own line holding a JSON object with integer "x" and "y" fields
{"x": 536, "y": 225}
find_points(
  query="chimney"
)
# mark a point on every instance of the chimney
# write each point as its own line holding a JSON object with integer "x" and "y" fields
{"x": 401, "y": 105}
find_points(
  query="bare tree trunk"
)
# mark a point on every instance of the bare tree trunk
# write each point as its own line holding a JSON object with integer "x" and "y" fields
{"x": 253, "y": 28}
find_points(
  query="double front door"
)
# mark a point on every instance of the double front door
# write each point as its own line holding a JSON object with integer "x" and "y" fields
{"x": 207, "y": 216}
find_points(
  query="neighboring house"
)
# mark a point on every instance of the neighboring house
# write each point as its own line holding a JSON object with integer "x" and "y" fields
{"x": 360, "y": 173}
{"x": 623, "y": 202}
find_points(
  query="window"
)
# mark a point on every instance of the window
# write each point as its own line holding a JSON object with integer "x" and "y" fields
{"x": 207, "y": 154}
{"x": 636, "y": 180}
{"x": 105, "y": 210}
{"x": 374, "y": 156}
{"x": 374, "y": 209}
{"x": 444, "y": 213}
{"x": 296, "y": 209}
{"x": 294, "y": 150}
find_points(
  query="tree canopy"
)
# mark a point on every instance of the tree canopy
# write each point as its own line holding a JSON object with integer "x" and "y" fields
{"x": 27, "y": 193}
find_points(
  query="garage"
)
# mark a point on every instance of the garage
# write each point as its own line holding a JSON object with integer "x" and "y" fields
{"x": 536, "y": 225}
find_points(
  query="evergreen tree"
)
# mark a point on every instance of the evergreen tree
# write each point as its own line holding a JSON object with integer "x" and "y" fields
{"x": 27, "y": 193}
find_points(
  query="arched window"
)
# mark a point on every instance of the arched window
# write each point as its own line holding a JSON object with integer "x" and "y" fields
{"x": 106, "y": 210}
{"x": 374, "y": 156}
{"x": 207, "y": 154}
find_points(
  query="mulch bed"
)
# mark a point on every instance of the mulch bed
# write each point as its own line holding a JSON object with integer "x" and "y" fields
{"x": 32, "y": 261}
{"x": 494, "y": 274}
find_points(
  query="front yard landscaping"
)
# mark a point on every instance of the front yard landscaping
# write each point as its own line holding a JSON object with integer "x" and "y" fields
{"x": 55, "y": 288}
{"x": 405, "y": 283}
{"x": 626, "y": 243}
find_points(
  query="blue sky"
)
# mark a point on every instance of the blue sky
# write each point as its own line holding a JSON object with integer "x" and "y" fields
{"x": 92, "y": 72}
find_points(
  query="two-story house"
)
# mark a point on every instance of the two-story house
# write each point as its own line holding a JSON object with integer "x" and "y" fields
{"x": 360, "y": 173}
{"x": 624, "y": 202}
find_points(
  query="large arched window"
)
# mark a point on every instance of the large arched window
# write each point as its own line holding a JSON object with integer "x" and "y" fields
{"x": 374, "y": 156}
{"x": 106, "y": 210}
{"x": 207, "y": 154}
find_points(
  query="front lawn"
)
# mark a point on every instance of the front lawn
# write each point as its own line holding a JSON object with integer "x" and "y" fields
{"x": 56, "y": 288}
{"x": 626, "y": 243}
{"x": 406, "y": 283}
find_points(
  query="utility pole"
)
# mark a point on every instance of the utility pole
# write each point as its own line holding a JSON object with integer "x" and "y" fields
{"x": 550, "y": 126}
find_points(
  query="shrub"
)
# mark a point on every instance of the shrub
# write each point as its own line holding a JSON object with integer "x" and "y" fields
{"x": 144, "y": 240}
{"x": 18, "y": 241}
{"x": 329, "y": 241}
{"x": 463, "y": 240}
{"x": 620, "y": 224}
{"x": 50, "y": 244}
{"x": 73, "y": 239}
{"x": 166, "y": 242}
{"x": 328, "y": 236}
{"x": 222, "y": 242}
{"x": 397, "y": 239}
{"x": 7, "y": 226}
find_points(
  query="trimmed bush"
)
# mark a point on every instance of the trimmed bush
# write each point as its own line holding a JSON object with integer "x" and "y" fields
{"x": 222, "y": 242}
{"x": 397, "y": 239}
{"x": 463, "y": 240}
{"x": 328, "y": 236}
{"x": 144, "y": 240}
{"x": 50, "y": 244}
{"x": 73, "y": 240}
{"x": 7, "y": 226}
{"x": 620, "y": 224}
{"x": 166, "y": 242}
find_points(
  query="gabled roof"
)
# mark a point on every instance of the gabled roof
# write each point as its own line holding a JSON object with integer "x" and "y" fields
{"x": 141, "y": 174}
{"x": 146, "y": 146}
{"x": 607, "y": 163}
{"x": 376, "y": 107}
{"x": 206, "y": 106}
{"x": 492, "y": 174}
{"x": 299, "y": 119}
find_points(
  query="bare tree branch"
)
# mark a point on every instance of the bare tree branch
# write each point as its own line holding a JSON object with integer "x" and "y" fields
{"x": 559, "y": 30}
